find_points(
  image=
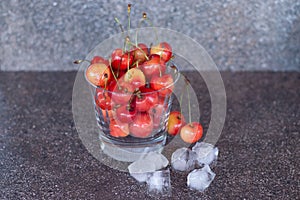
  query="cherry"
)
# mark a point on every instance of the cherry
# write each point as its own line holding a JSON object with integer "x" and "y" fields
{"x": 146, "y": 99}
{"x": 122, "y": 92}
{"x": 141, "y": 126}
{"x": 154, "y": 66}
{"x": 157, "y": 112}
{"x": 99, "y": 74}
{"x": 99, "y": 59}
{"x": 102, "y": 99}
{"x": 191, "y": 132}
{"x": 116, "y": 58}
{"x": 163, "y": 49}
{"x": 140, "y": 53}
{"x": 163, "y": 83}
{"x": 119, "y": 73}
{"x": 126, "y": 113}
{"x": 120, "y": 60}
{"x": 118, "y": 129}
{"x": 135, "y": 77}
{"x": 176, "y": 121}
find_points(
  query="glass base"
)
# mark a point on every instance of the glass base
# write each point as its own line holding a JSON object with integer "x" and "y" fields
{"x": 130, "y": 152}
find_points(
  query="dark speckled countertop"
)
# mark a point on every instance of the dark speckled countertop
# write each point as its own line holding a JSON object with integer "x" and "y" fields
{"x": 42, "y": 157}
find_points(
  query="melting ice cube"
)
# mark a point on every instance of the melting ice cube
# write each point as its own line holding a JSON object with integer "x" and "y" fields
{"x": 200, "y": 179}
{"x": 183, "y": 159}
{"x": 206, "y": 153}
{"x": 150, "y": 162}
{"x": 159, "y": 182}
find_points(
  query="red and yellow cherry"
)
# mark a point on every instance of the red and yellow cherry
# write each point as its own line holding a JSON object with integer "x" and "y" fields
{"x": 141, "y": 126}
{"x": 146, "y": 98}
{"x": 99, "y": 59}
{"x": 157, "y": 113}
{"x": 111, "y": 86}
{"x": 120, "y": 60}
{"x": 118, "y": 129}
{"x": 99, "y": 74}
{"x": 135, "y": 77}
{"x": 192, "y": 132}
{"x": 116, "y": 58}
{"x": 122, "y": 92}
{"x": 175, "y": 122}
{"x": 126, "y": 113}
{"x": 163, "y": 83}
{"x": 102, "y": 99}
{"x": 163, "y": 49}
{"x": 140, "y": 53}
{"x": 154, "y": 66}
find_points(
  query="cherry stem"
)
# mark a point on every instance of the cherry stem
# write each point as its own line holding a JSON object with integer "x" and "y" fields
{"x": 125, "y": 44}
{"x": 113, "y": 73}
{"x": 128, "y": 61}
{"x": 160, "y": 73}
{"x": 139, "y": 48}
{"x": 155, "y": 30}
{"x": 122, "y": 30}
{"x": 80, "y": 61}
{"x": 136, "y": 33}
{"x": 119, "y": 23}
{"x": 105, "y": 84}
{"x": 189, "y": 103}
{"x": 135, "y": 63}
{"x": 132, "y": 97}
{"x": 181, "y": 97}
{"x": 128, "y": 11}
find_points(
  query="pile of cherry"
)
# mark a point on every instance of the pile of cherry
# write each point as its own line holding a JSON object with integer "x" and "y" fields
{"x": 132, "y": 88}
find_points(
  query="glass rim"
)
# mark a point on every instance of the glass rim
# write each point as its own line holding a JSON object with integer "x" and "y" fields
{"x": 175, "y": 80}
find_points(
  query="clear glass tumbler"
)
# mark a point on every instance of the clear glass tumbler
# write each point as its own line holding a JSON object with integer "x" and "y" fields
{"x": 135, "y": 122}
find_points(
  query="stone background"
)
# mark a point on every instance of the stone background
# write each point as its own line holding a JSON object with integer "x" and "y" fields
{"x": 239, "y": 35}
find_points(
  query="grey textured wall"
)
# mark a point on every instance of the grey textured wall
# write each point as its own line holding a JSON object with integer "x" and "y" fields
{"x": 239, "y": 35}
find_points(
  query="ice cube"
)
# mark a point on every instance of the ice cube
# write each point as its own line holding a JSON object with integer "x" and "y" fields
{"x": 183, "y": 159}
{"x": 141, "y": 177}
{"x": 150, "y": 162}
{"x": 206, "y": 153}
{"x": 158, "y": 159}
{"x": 200, "y": 179}
{"x": 159, "y": 182}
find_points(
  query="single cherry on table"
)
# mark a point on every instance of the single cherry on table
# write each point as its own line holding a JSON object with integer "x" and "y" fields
{"x": 191, "y": 132}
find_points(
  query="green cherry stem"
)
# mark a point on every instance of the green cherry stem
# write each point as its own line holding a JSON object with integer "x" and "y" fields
{"x": 135, "y": 63}
{"x": 160, "y": 73}
{"x": 151, "y": 24}
{"x": 113, "y": 73}
{"x": 139, "y": 26}
{"x": 189, "y": 103}
{"x": 122, "y": 30}
{"x": 181, "y": 97}
{"x": 119, "y": 23}
{"x": 139, "y": 48}
{"x": 136, "y": 33}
